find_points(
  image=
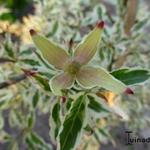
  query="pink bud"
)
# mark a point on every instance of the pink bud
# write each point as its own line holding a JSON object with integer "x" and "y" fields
{"x": 100, "y": 24}
{"x": 128, "y": 91}
{"x": 32, "y": 32}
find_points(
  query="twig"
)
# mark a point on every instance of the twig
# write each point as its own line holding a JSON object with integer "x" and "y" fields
{"x": 5, "y": 60}
{"x": 121, "y": 59}
{"x": 17, "y": 79}
{"x": 130, "y": 16}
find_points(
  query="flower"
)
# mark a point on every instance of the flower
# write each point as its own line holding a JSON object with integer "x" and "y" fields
{"x": 74, "y": 68}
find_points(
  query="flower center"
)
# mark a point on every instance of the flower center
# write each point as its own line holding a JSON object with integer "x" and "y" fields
{"x": 73, "y": 67}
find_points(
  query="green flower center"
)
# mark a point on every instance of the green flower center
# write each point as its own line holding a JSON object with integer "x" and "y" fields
{"x": 73, "y": 67}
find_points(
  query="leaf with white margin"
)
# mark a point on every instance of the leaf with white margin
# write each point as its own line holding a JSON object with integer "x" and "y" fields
{"x": 85, "y": 51}
{"x": 96, "y": 110}
{"x": 115, "y": 108}
{"x": 73, "y": 124}
{"x": 89, "y": 77}
{"x": 55, "y": 120}
{"x": 60, "y": 82}
{"x": 53, "y": 53}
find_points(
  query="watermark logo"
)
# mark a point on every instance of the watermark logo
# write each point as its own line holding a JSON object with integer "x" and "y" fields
{"x": 130, "y": 139}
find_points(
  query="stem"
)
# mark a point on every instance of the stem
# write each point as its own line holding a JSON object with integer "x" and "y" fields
{"x": 130, "y": 16}
{"x": 17, "y": 79}
{"x": 5, "y": 60}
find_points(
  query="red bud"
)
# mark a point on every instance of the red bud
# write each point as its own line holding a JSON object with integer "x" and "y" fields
{"x": 32, "y": 32}
{"x": 71, "y": 43}
{"x": 63, "y": 99}
{"x": 100, "y": 24}
{"x": 128, "y": 91}
{"x": 29, "y": 72}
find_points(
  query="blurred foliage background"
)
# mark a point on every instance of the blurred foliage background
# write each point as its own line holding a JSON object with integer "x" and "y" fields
{"x": 25, "y": 101}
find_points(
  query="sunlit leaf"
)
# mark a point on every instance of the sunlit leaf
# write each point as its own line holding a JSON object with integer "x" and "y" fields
{"x": 54, "y": 54}
{"x": 88, "y": 47}
{"x": 131, "y": 76}
{"x": 89, "y": 77}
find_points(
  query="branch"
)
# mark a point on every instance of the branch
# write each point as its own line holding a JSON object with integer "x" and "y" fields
{"x": 17, "y": 79}
{"x": 130, "y": 15}
{"x": 5, "y": 60}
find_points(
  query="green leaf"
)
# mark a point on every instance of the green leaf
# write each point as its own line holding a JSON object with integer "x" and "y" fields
{"x": 35, "y": 99}
{"x": 99, "y": 10}
{"x": 103, "y": 132}
{"x": 2, "y": 103}
{"x": 55, "y": 120}
{"x": 131, "y": 76}
{"x": 31, "y": 62}
{"x": 26, "y": 52}
{"x": 9, "y": 49}
{"x": 1, "y": 121}
{"x": 7, "y": 16}
{"x": 69, "y": 103}
{"x": 31, "y": 120}
{"x": 30, "y": 144}
{"x": 73, "y": 125}
{"x": 36, "y": 139}
{"x": 88, "y": 128}
{"x": 39, "y": 142}
{"x": 96, "y": 106}
{"x": 101, "y": 53}
{"x": 48, "y": 75}
{"x": 140, "y": 24}
{"x": 54, "y": 29}
{"x": 43, "y": 82}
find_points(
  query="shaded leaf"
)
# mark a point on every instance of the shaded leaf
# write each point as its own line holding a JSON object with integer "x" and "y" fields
{"x": 39, "y": 142}
{"x": 43, "y": 82}
{"x": 26, "y": 52}
{"x": 96, "y": 106}
{"x": 140, "y": 24}
{"x": 35, "y": 99}
{"x": 55, "y": 120}
{"x": 30, "y": 144}
{"x": 9, "y": 50}
{"x": 73, "y": 125}
{"x": 31, "y": 120}
{"x": 31, "y": 62}
{"x": 54, "y": 29}
{"x": 69, "y": 103}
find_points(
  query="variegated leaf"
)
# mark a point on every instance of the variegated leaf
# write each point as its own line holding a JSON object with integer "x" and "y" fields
{"x": 55, "y": 120}
{"x": 54, "y": 54}
{"x": 73, "y": 125}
